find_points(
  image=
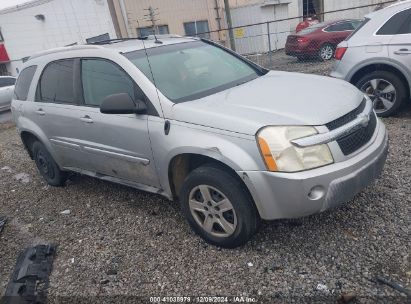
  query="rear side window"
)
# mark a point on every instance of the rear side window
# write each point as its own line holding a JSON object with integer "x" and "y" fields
{"x": 398, "y": 24}
{"x": 57, "y": 83}
{"x": 7, "y": 81}
{"x": 101, "y": 78}
{"x": 23, "y": 83}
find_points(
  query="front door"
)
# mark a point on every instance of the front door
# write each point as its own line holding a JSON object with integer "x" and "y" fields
{"x": 117, "y": 145}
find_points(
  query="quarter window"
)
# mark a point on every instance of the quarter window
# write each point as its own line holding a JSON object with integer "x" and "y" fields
{"x": 398, "y": 24}
{"x": 101, "y": 78}
{"x": 23, "y": 83}
{"x": 57, "y": 83}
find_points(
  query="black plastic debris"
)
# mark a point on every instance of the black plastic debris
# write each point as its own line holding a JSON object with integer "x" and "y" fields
{"x": 30, "y": 278}
{"x": 394, "y": 285}
{"x": 3, "y": 221}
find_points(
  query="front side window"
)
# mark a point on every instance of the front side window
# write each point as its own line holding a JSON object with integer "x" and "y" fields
{"x": 101, "y": 78}
{"x": 7, "y": 81}
{"x": 197, "y": 29}
{"x": 192, "y": 70}
{"x": 57, "y": 83}
{"x": 23, "y": 82}
{"x": 398, "y": 24}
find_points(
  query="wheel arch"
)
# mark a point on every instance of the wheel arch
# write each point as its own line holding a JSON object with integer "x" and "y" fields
{"x": 182, "y": 164}
{"x": 373, "y": 67}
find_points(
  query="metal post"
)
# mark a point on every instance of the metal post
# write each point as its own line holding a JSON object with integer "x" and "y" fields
{"x": 269, "y": 43}
{"x": 230, "y": 24}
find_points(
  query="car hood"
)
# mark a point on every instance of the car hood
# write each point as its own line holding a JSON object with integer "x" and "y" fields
{"x": 277, "y": 98}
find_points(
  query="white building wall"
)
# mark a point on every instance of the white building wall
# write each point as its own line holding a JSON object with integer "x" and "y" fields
{"x": 66, "y": 22}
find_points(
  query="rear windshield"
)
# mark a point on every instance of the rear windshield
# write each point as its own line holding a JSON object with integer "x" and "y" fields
{"x": 312, "y": 28}
{"x": 192, "y": 70}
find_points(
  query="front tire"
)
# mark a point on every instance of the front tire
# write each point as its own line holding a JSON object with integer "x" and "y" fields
{"x": 386, "y": 90}
{"x": 218, "y": 207}
{"x": 47, "y": 167}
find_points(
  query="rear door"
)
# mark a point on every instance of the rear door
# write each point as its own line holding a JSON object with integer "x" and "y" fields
{"x": 117, "y": 145}
{"x": 6, "y": 91}
{"x": 56, "y": 112}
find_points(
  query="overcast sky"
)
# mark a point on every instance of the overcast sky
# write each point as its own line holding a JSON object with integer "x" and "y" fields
{"x": 8, "y": 3}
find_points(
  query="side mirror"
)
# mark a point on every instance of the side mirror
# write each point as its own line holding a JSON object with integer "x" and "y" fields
{"x": 122, "y": 103}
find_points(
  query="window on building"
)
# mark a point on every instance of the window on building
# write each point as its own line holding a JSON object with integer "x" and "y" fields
{"x": 99, "y": 38}
{"x": 102, "y": 78}
{"x": 23, "y": 83}
{"x": 147, "y": 31}
{"x": 197, "y": 28}
{"x": 313, "y": 8}
{"x": 57, "y": 83}
{"x": 1, "y": 36}
{"x": 398, "y": 24}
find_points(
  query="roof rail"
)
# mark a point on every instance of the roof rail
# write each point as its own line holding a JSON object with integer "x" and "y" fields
{"x": 116, "y": 40}
{"x": 62, "y": 49}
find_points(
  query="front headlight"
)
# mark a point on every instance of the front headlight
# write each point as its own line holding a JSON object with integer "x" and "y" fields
{"x": 281, "y": 155}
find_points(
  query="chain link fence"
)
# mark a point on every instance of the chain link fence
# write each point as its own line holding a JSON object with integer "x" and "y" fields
{"x": 302, "y": 44}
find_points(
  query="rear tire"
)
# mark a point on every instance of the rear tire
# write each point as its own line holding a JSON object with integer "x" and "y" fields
{"x": 218, "y": 207}
{"x": 386, "y": 90}
{"x": 47, "y": 167}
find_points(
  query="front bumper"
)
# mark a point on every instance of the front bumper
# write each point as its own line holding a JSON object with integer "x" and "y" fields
{"x": 293, "y": 195}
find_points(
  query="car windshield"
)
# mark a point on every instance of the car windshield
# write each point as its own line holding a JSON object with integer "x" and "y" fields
{"x": 192, "y": 70}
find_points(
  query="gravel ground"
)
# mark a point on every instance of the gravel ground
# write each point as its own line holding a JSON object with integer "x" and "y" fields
{"x": 120, "y": 241}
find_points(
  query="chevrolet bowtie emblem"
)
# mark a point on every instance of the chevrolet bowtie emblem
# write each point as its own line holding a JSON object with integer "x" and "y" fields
{"x": 365, "y": 119}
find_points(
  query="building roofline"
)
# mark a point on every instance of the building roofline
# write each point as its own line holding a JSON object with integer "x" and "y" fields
{"x": 28, "y": 4}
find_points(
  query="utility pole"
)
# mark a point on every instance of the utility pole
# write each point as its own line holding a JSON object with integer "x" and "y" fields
{"x": 151, "y": 16}
{"x": 229, "y": 23}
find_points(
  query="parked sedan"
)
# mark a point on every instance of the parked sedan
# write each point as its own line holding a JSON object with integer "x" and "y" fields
{"x": 6, "y": 92}
{"x": 320, "y": 40}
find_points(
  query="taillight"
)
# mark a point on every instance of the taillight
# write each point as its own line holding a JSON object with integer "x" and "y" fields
{"x": 340, "y": 52}
{"x": 302, "y": 40}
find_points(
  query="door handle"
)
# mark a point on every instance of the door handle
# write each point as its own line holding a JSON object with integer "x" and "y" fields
{"x": 40, "y": 112}
{"x": 403, "y": 52}
{"x": 86, "y": 119}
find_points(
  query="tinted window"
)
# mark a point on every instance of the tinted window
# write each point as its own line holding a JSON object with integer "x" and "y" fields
{"x": 23, "y": 83}
{"x": 7, "y": 81}
{"x": 102, "y": 78}
{"x": 340, "y": 27}
{"x": 57, "y": 83}
{"x": 398, "y": 24}
{"x": 311, "y": 29}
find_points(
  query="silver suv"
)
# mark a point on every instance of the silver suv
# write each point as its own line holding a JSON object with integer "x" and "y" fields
{"x": 191, "y": 120}
{"x": 377, "y": 58}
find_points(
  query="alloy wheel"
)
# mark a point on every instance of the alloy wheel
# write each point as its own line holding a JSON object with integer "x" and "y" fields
{"x": 212, "y": 211}
{"x": 326, "y": 52}
{"x": 382, "y": 93}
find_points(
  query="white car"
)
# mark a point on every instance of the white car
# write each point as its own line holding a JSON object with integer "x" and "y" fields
{"x": 6, "y": 92}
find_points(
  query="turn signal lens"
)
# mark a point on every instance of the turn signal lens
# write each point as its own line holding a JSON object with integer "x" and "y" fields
{"x": 266, "y": 153}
